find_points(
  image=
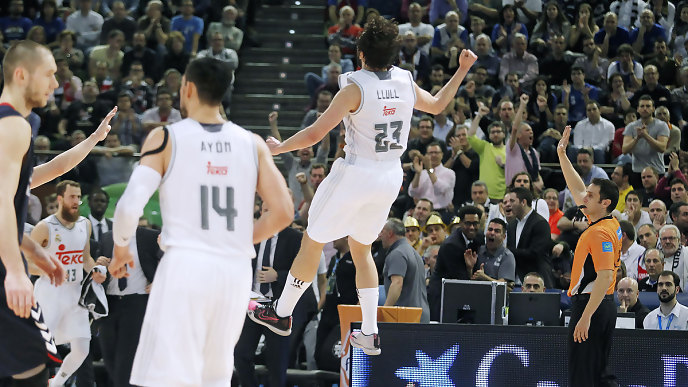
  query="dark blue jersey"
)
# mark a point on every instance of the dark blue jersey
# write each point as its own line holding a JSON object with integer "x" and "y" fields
{"x": 21, "y": 197}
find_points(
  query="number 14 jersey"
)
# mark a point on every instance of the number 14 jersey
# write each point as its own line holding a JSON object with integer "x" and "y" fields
{"x": 208, "y": 191}
{"x": 379, "y": 128}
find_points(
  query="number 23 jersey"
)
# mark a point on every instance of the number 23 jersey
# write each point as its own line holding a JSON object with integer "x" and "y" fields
{"x": 379, "y": 128}
{"x": 208, "y": 191}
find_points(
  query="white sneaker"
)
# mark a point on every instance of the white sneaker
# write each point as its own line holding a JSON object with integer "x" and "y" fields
{"x": 370, "y": 344}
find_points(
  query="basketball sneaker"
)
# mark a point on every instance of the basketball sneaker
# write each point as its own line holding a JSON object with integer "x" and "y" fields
{"x": 370, "y": 344}
{"x": 264, "y": 314}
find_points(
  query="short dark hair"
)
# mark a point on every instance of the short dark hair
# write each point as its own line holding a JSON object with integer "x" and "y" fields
{"x": 499, "y": 221}
{"x": 676, "y": 180}
{"x": 635, "y": 193}
{"x": 675, "y": 208}
{"x": 625, "y": 49}
{"x": 592, "y": 102}
{"x": 426, "y": 118}
{"x": 61, "y": 187}
{"x": 437, "y": 67}
{"x": 585, "y": 151}
{"x": 98, "y": 190}
{"x": 578, "y": 68}
{"x": 534, "y": 274}
{"x": 161, "y": 91}
{"x": 318, "y": 166}
{"x": 379, "y": 42}
{"x": 628, "y": 229}
{"x": 212, "y": 78}
{"x": 523, "y": 194}
{"x": 469, "y": 210}
{"x": 434, "y": 143}
{"x": 646, "y": 97}
{"x": 674, "y": 276}
{"x": 608, "y": 190}
{"x": 432, "y": 207}
{"x": 626, "y": 169}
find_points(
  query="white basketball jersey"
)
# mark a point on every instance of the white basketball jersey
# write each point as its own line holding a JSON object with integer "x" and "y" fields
{"x": 208, "y": 191}
{"x": 67, "y": 246}
{"x": 379, "y": 129}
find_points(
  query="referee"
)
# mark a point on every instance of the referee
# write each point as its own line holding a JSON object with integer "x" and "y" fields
{"x": 595, "y": 262}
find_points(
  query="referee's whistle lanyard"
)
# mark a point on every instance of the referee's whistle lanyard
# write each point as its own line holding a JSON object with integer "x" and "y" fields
{"x": 669, "y": 320}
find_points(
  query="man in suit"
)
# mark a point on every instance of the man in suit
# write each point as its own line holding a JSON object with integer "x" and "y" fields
{"x": 127, "y": 300}
{"x": 528, "y": 237}
{"x": 98, "y": 202}
{"x": 271, "y": 267}
{"x": 450, "y": 258}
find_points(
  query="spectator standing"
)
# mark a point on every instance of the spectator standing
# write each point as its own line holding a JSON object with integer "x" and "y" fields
{"x": 492, "y": 154}
{"x": 552, "y": 198}
{"x": 127, "y": 124}
{"x": 190, "y": 26}
{"x": 433, "y": 180}
{"x": 87, "y": 24}
{"x": 404, "y": 271}
{"x": 670, "y": 315}
{"x": 465, "y": 163}
{"x": 646, "y": 139}
{"x": 520, "y": 154}
{"x": 156, "y": 27}
{"x": 577, "y": 95}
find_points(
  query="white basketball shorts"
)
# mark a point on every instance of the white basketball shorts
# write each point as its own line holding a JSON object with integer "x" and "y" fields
{"x": 354, "y": 200}
{"x": 194, "y": 317}
{"x": 61, "y": 311}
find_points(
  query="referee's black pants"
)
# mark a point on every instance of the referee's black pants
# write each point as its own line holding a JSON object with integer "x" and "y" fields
{"x": 589, "y": 360}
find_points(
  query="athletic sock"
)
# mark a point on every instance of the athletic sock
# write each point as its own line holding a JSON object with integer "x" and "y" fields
{"x": 368, "y": 298}
{"x": 293, "y": 290}
{"x": 77, "y": 354}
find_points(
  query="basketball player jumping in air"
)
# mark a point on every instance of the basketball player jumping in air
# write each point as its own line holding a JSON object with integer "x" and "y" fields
{"x": 376, "y": 104}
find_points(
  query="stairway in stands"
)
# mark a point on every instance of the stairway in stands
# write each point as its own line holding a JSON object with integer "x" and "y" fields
{"x": 270, "y": 77}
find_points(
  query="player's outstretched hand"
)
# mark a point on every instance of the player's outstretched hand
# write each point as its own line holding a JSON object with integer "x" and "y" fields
{"x": 467, "y": 58}
{"x": 273, "y": 145}
{"x": 564, "y": 142}
{"x": 19, "y": 292}
{"x": 121, "y": 258}
{"x": 104, "y": 127}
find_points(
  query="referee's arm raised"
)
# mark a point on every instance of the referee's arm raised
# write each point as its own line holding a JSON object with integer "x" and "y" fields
{"x": 573, "y": 180}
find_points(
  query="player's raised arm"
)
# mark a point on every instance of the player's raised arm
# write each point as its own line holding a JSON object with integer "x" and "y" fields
{"x": 344, "y": 102}
{"x": 142, "y": 185}
{"x": 437, "y": 103}
{"x": 573, "y": 180}
{"x": 273, "y": 190}
{"x": 71, "y": 158}
{"x": 15, "y": 135}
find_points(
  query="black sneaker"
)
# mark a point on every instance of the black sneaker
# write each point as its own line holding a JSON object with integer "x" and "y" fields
{"x": 370, "y": 344}
{"x": 264, "y": 314}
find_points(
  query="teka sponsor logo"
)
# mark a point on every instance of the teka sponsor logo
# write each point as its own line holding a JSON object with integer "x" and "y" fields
{"x": 215, "y": 170}
{"x": 388, "y": 111}
{"x": 69, "y": 257}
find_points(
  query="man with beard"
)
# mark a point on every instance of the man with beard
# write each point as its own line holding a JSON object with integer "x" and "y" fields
{"x": 654, "y": 264}
{"x": 493, "y": 261}
{"x": 65, "y": 235}
{"x": 140, "y": 53}
{"x": 646, "y": 139}
{"x": 627, "y": 293}
{"x": 520, "y": 154}
{"x": 450, "y": 262}
{"x": 670, "y": 315}
{"x": 528, "y": 237}
{"x": 649, "y": 177}
{"x": 675, "y": 255}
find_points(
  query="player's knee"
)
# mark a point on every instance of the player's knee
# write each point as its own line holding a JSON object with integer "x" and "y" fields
{"x": 38, "y": 379}
{"x": 79, "y": 348}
